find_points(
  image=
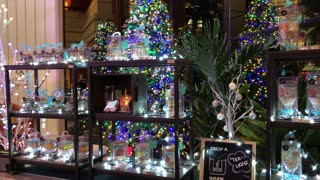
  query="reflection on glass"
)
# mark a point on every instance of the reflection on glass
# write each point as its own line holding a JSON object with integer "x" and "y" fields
{"x": 287, "y": 95}
{"x": 291, "y": 160}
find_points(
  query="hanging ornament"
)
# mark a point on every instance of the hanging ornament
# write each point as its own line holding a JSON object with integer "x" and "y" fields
{"x": 220, "y": 116}
{"x": 238, "y": 97}
{"x": 252, "y": 115}
{"x": 225, "y": 128}
{"x": 215, "y": 103}
{"x": 232, "y": 86}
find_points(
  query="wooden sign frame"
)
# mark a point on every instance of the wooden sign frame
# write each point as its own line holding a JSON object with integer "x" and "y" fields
{"x": 202, "y": 156}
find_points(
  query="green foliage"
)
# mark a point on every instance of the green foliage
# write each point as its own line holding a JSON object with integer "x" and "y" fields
{"x": 219, "y": 63}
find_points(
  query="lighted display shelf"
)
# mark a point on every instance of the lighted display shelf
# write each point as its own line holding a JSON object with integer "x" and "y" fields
{"x": 35, "y": 114}
{"x": 285, "y": 67}
{"x": 135, "y": 81}
{"x": 44, "y": 162}
{"x": 155, "y": 171}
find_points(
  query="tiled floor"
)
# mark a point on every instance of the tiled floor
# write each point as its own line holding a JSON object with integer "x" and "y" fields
{"x": 24, "y": 176}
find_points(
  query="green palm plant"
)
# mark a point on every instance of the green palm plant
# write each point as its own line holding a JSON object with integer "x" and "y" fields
{"x": 221, "y": 64}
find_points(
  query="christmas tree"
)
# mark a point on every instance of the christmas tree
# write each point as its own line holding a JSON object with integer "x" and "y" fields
{"x": 151, "y": 17}
{"x": 99, "y": 49}
{"x": 260, "y": 20}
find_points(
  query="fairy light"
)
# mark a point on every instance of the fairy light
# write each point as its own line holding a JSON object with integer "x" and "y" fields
{"x": 261, "y": 16}
{"x": 99, "y": 49}
{"x": 152, "y": 18}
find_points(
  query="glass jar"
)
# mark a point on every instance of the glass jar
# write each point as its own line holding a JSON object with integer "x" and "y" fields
{"x": 143, "y": 150}
{"x": 49, "y": 144}
{"x": 168, "y": 152}
{"x": 114, "y": 50}
{"x": 119, "y": 149}
{"x": 83, "y": 147}
{"x": 29, "y": 104}
{"x": 32, "y": 146}
{"x": 65, "y": 146}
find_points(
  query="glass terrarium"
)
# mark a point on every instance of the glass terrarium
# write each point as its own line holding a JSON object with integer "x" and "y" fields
{"x": 313, "y": 94}
{"x": 49, "y": 145}
{"x": 168, "y": 152}
{"x": 287, "y": 97}
{"x": 143, "y": 150}
{"x": 65, "y": 146}
{"x": 291, "y": 160}
{"x": 32, "y": 144}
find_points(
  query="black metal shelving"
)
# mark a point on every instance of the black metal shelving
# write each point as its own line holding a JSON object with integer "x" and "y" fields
{"x": 177, "y": 120}
{"x": 278, "y": 60}
{"x": 75, "y": 115}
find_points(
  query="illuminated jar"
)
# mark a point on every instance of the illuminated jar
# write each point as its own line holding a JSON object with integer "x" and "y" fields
{"x": 32, "y": 145}
{"x": 83, "y": 147}
{"x": 29, "y": 104}
{"x": 114, "y": 50}
{"x": 48, "y": 144}
{"x": 143, "y": 150}
{"x": 65, "y": 146}
{"x": 168, "y": 152}
{"x": 119, "y": 147}
{"x": 138, "y": 43}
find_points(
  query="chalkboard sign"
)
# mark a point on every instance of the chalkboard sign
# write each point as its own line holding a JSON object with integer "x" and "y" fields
{"x": 227, "y": 160}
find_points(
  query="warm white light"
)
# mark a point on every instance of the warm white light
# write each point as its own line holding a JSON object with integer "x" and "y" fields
{"x": 314, "y": 167}
{"x": 280, "y": 173}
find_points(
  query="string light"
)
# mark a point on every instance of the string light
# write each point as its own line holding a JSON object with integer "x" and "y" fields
{"x": 260, "y": 17}
{"x": 151, "y": 17}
